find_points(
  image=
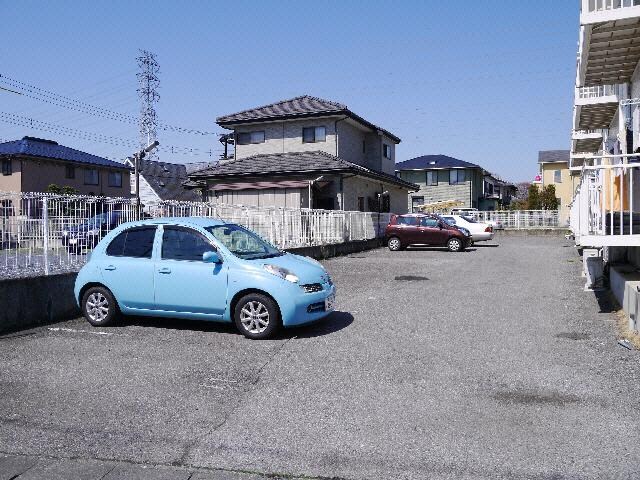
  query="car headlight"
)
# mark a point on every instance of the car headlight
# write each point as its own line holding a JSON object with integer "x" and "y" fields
{"x": 282, "y": 273}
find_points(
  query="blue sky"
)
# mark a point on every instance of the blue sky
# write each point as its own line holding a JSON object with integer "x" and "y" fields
{"x": 489, "y": 82}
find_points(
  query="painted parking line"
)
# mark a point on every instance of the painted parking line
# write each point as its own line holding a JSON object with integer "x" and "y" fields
{"x": 73, "y": 330}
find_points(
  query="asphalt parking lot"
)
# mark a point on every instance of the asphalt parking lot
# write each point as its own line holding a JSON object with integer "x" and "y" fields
{"x": 491, "y": 363}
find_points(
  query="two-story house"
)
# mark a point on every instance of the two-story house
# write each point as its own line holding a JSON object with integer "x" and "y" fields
{"x": 443, "y": 179}
{"x": 554, "y": 170}
{"x": 306, "y": 152}
{"x": 32, "y": 164}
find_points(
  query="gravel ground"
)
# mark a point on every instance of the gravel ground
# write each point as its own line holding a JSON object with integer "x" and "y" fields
{"x": 491, "y": 363}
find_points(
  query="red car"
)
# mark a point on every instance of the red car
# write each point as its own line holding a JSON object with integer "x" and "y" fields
{"x": 425, "y": 229}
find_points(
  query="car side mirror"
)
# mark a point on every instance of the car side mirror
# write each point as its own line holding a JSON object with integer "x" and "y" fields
{"x": 211, "y": 257}
{"x": 440, "y": 225}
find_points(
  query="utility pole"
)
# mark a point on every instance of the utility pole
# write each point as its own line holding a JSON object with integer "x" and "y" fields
{"x": 148, "y": 84}
{"x": 136, "y": 165}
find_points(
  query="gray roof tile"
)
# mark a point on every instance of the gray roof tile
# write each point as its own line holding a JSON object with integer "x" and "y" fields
{"x": 548, "y": 156}
{"x": 298, "y": 107}
{"x": 279, "y": 164}
{"x": 167, "y": 180}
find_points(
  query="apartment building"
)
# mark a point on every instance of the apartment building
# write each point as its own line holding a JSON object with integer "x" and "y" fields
{"x": 605, "y": 211}
{"x": 306, "y": 152}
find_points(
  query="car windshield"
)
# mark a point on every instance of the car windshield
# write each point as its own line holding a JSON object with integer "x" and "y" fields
{"x": 449, "y": 220}
{"x": 243, "y": 243}
{"x": 96, "y": 221}
{"x": 469, "y": 219}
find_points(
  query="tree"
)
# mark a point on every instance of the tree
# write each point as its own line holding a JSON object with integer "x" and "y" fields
{"x": 66, "y": 190}
{"x": 533, "y": 199}
{"x": 548, "y": 199}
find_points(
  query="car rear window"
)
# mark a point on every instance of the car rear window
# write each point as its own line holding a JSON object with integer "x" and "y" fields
{"x": 469, "y": 219}
{"x": 134, "y": 242}
{"x": 406, "y": 220}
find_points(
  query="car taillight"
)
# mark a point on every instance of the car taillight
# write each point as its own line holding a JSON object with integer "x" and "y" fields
{"x": 489, "y": 229}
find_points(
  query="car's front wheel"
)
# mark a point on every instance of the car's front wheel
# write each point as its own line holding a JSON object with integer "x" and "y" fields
{"x": 99, "y": 307}
{"x": 394, "y": 244}
{"x": 256, "y": 316}
{"x": 454, "y": 244}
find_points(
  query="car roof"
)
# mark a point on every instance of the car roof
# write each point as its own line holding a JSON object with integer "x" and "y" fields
{"x": 193, "y": 221}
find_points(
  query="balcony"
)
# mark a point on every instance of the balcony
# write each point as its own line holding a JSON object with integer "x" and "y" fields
{"x": 596, "y": 11}
{"x": 606, "y": 207}
{"x": 587, "y": 141}
{"x": 609, "y": 48}
{"x": 596, "y": 106}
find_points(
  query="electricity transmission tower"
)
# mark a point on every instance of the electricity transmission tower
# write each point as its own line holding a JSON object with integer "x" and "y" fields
{"x": 148, "y": 84}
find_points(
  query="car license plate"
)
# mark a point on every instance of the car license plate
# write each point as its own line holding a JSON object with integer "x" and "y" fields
{"x": 329, "y": 302}
{"x": 73, "y": 241}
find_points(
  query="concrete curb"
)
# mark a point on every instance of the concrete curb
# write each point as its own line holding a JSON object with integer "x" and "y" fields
{"x": 536, "y": 231}
{"x": 31, "y": 301}
{"x": 333, "y": 250}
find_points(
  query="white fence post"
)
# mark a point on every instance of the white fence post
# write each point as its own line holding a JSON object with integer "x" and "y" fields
{"x": 45, "y": 231}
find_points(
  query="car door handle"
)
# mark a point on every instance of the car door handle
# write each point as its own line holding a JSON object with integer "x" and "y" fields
{"x": 110, "y": 267}
{"x": 164, "y": 270}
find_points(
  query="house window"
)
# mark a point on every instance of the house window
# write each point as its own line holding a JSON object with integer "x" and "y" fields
{"x": 497, "y": 191}
{"x": 69, "y": 171}
{"x": 456, "y": 177}
{"x": 91, "y": 176}
{"x": 314, "y": 134}
{"x": 416, "y": 202}
{"x": 246, "y": 138}
{"x": 386, "y": 150}
{"x": 6, "y": 167}
{"x": 115, "y": 179}
{"x": 361, "y": 204}
{"x": 557, "y": 176}
{"x": 432, "y": 177}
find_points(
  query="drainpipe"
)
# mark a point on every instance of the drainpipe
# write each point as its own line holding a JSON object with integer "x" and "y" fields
{"x": 335, "y": 131}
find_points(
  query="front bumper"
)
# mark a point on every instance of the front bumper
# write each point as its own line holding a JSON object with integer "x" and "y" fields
{"x": 305, "y": 308}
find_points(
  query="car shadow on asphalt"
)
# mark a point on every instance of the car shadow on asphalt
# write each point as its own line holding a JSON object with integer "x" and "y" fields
{"x": 334, "y": 322}
{"x": 486, "y": 245}
{"x": 439, "y": 249}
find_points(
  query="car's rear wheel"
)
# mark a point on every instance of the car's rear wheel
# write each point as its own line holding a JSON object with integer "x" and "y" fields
{"x": 99, "y": 307}
{"x": 394, "y": 244}
{"x": 454, "y": 244}
{"x": 256, "y": 316}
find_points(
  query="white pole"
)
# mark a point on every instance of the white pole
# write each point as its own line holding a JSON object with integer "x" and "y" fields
{"x": 45, "y": 230}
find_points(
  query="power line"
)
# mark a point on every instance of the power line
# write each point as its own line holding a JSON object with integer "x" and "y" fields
{"x": 42, "y": 95}
{"x": 21, "y": 121}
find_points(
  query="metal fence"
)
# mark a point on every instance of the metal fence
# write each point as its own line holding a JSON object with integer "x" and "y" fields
{"x": 47, "y": 233}
{"x": 520, "y": 219}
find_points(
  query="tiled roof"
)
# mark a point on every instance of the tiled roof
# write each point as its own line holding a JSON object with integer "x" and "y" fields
{"x": 38, "y": 147}
{"x": 298, "y": 107}
{"x": 552, "y": 156}
{"x": 434, "y": 162}
{"x": 278, "y": 164}
{"x": 167, "y": 180}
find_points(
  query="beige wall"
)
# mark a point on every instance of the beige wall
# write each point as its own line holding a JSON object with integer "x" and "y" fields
{"x": 354, "y": 187}
{"x": 281, "y": 137}
{"x": 13, "y": 182}
{"x": 565, "y": 189}
{"x": 35, "y": 175}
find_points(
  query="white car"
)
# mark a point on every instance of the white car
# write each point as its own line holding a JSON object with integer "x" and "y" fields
{"x": 480, "y": 232}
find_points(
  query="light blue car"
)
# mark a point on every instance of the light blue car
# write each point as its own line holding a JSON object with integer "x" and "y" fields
{"x": 201, "y": 269}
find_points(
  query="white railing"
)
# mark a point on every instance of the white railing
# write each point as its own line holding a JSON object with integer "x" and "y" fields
{"x": 607, "y": 202}
{"x": 590, "y": 6}
{"x": 45, "y": 233}
{"x": 519, "y": 219}
{"x": 598, "y": 91}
